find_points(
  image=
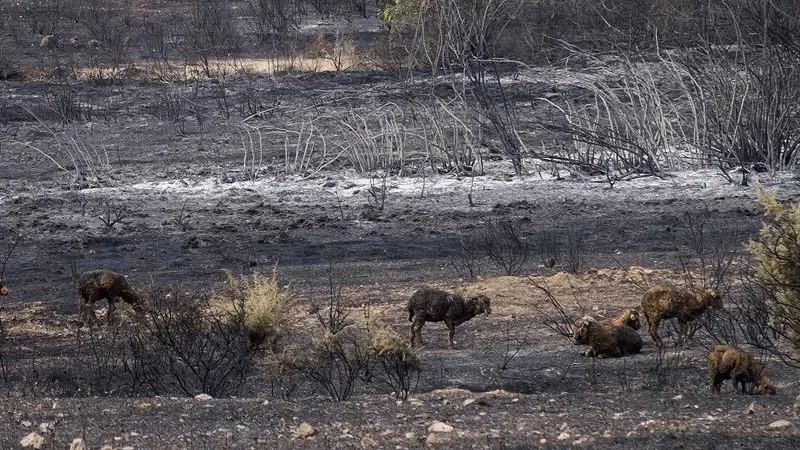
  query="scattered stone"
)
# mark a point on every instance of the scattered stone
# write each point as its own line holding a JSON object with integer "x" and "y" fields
{"x": 678, "y": 397}
{"x": 203, "y": 397}
{"x": 49, "y": 41}
{"x": 106, "y": 447}
{"x": 583, "y": 440}
{"x": 46, "y": 427}
{"x": 543, "y": 441}
{"x": 33, "y": 440}
{"x": 368, "y": 442}
{"x": 26, "y": 423}
{"x": 440, "y": 427}
{"x": 305, "y": 430}
{"x": 563, "y": 436}
{"x": 752, "y": 408}
{"x": 797, "y": 405}
{"x": 437, "y": 438}
{"x": 77, "y": 444}
{"x": 468, "y": 401}
{"x": 780, "y": 424}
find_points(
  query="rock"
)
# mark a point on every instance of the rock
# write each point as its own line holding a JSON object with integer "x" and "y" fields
{"x": 305, "y": 430}
{"x": 752, "y": 408}
{"x": 49, "y": 41}
{"x": 26, "y": 423}
{"x": 203, "y": 397}
{"x": 468, "y": 401}
{"x": 77, "y": 444}
{"x": 563, "y": 436}
{"x": 780, "y": 424}
{"x": 368, "y": 442}
{"x": 46, "y": 427}
{"x": 583, "y": 440}
{"x": 106, "y": 447}
{"x": 440, "y": 427}
{"x": 437, "y": 438}
{"x": 678, "y": 397}
{"x": 33, "y": 440}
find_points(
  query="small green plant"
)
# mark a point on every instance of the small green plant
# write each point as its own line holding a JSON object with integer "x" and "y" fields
{"x": 266, "y": 306}
{"x": 777, "y": 254}
{"x": 398, "y": 360}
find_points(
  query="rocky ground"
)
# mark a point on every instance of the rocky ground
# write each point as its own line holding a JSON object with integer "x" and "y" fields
{"x": 175, "y": 200}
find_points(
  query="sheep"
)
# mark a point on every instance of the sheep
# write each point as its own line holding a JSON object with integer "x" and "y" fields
{"x": 666, "y": 301}
{"x": 727, "y": 362}
{"x": 95, "y": 285}
{"x": 629, "y": 317}
{"x": 606, "y": 340}
{"x": 434, "y": 305}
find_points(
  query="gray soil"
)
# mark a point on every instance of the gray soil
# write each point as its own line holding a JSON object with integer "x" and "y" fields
{"x": 189, "y": 210}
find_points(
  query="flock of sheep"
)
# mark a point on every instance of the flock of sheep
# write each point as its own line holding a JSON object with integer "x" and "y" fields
{"x": 612, "y": 338}
{"x": 616, "y": 337}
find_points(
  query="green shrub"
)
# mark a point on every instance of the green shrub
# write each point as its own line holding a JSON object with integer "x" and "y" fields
{"x": 267, "y": 307}
{"x": 777, "y": 254}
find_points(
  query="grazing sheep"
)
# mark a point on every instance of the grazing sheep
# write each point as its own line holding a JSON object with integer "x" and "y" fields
{"x": 726, "y": 362}
{"x": 607, "y": 340}
{"x": 95, "y": 285}
{"x": 434, "y": 305}
{"x": 665, "y": 302}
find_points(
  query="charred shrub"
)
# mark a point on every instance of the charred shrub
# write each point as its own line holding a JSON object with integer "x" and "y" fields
{"x": 336, "y": 362}
{"x": 398, "y": 362}
{"x": 188, "y": 346}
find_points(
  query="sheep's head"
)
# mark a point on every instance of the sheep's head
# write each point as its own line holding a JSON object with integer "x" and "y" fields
{"x": 582, "y": 326}
{"x": 3, "y": 289}
{"x": 712, "y": 298}
{"x": 765, "y": 386}
{"x": 482, "y": 304}
{"x": 630, "y": 317}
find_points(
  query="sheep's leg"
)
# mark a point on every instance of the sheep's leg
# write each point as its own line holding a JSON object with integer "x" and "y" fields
{"x": 416, "y": 332}
{"x": 683, "y": 332}
{"x": 652, "y": 328}
{"x": 112, "y": 308}
{"x": 452, "y": 329}
{"x": 87, "y": 312}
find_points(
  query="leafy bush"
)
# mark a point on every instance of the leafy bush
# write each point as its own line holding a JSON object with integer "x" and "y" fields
{"x": 398, "y": 360}
{"x": 777, "y": 254}
{"x": 267, "y": 308}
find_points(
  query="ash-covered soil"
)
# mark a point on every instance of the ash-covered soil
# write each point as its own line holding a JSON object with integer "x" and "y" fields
{"x": 185, "y": 207}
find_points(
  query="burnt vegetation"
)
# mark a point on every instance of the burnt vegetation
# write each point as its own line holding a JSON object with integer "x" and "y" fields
{"x": 445, "y": 88}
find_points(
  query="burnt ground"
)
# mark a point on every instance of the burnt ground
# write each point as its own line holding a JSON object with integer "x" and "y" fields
{"x": 189, "y": 208}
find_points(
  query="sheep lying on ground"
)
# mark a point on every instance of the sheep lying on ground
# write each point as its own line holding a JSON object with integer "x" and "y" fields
{"x": 434, "y": 305}
{"x": 629, "y": 317}
{"x": 726, "y": 362}
{"x": 665, "y": 302}
{"x": 96, "y": 285}
{"x": 607, "y": 340}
